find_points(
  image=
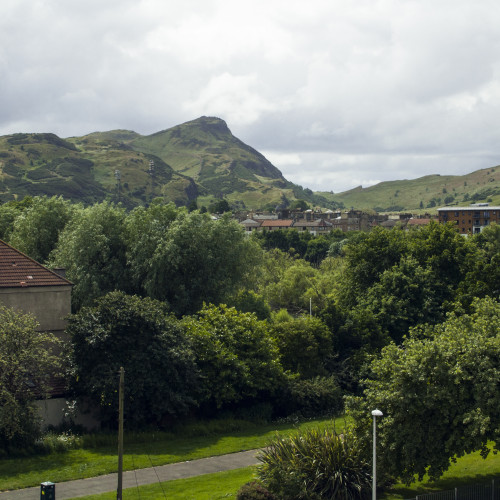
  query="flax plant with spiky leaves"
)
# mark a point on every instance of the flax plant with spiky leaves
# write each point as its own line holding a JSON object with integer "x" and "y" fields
{"x": 315, "y": 464}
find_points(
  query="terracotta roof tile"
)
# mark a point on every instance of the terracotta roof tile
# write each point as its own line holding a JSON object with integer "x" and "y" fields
{"x": 18, "y": 270}
{"x": 277, "y": 223}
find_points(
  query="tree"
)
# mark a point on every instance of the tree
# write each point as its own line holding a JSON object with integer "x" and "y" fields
{"x": 317, "y": 250}
{"x": 237, "y": 358}
{"x": 138, "y": 334}
{"x": 192, "y": 205}
{"x": 305, "y": 345}
{"x": 220, "y": 207}
{"x": 299, "y": 204}
{"x": 146, "y": 230}
{"x": 250, "y": 301}
{"x": 443, "y": 250}
{"x": 199, "y": 260}
{"x": 92, "y": 249}
{"x": 404, "y": 296}
{"x": 26, "y": 362}
{"x": 367, "y": 256}
{"x": 8, "y": 214}
{"x": 439, "y": 393}
{"x": 289, "y": 289}
{"x": 36, "y": 230}
{"x": 483, "y": 274}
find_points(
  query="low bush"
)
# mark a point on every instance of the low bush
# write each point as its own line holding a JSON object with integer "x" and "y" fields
{"x": 56, "y": 443}
{"x": 315, "y": 464}
{"x": 254, "y": 490}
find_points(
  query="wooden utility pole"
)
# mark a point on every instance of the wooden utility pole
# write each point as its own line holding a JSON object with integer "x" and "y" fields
{"x": 120, "y": 435}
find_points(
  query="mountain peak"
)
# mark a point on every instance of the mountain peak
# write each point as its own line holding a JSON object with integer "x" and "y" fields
{"x": 208, "y": 124}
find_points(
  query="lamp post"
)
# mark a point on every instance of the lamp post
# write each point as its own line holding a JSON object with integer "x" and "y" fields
{"x": 375, "y": 414}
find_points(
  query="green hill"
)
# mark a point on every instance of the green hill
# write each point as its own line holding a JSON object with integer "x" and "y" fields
{"x": 199, "y": 160}
{"x": 424, "y": 194}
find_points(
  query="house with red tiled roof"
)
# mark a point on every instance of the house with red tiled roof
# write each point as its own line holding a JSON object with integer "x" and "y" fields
{"x": 274, "y": 225}
{"x": 27, "y": 286}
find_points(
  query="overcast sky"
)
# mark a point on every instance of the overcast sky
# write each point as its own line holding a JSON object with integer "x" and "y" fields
{"x": 335, "y": 93}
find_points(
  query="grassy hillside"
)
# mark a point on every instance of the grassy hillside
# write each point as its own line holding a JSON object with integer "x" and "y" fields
{"x": 425, "y": 194}
{"x": 200, "y": 160}
{"x": 221, "y": 165}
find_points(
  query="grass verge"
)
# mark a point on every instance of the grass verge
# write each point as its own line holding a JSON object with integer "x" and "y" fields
{"x": 222, "y": 485}
{"x": 98, "y": 456}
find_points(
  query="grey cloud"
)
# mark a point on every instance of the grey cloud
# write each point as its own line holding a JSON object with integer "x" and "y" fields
{"x": 396, "y": 89}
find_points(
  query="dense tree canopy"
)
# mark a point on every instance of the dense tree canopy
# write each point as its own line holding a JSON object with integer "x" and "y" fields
{"x": 146, "y": 230}
{"x": 199, "y": 260}
{"x": 36, "y": 230}
{"x": 92, "y": 249}
{"x": 138, "y": 334}
{"x": 238, "y": 360}
{"x": 365, "y": 291}
{"x": 305, "y": 345}
{"x": 483, "y": 271}
{"x": 439, "y": 393}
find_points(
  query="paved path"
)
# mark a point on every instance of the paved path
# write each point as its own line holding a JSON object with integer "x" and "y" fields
{"x": 102, "y": 484}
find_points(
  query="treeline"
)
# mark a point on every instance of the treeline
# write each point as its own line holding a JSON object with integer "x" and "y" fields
{"x": 206, "y": 320}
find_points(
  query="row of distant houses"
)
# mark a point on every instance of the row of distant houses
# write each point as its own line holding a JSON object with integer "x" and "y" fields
{"x": 320, "y": 222}
{"x": 468, "y": 220}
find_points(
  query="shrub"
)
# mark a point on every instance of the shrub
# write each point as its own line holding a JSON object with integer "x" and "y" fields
{"x": 57, "y": 443}
{"x": 315, "y": 464}
{"x": 254, "y": 490}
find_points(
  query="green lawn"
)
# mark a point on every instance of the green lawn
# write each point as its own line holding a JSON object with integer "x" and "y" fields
{"x": 223, "y": 485}
{"x": 141, "y": 450}
{"x": 470, "y": 469}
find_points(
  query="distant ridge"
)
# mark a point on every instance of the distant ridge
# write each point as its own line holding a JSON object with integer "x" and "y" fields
{"x": 200, "y": 162}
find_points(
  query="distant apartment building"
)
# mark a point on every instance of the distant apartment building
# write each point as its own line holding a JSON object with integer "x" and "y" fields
{"x": 472, "y": 219}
